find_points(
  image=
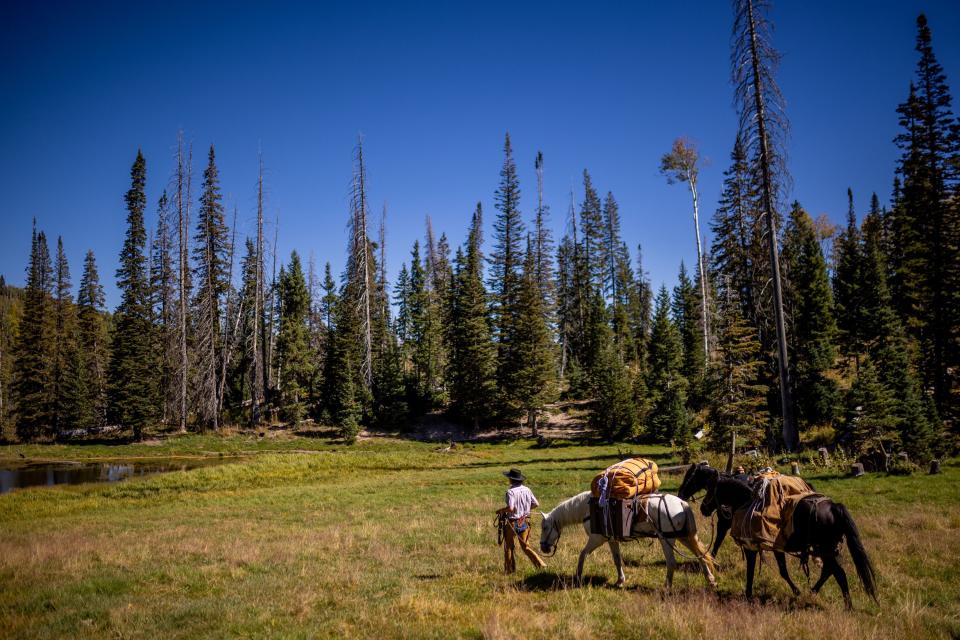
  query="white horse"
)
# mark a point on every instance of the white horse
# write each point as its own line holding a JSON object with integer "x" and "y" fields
{"x": 667, "y": 518}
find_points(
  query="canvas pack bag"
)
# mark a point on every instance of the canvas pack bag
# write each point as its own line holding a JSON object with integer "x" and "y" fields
{"x": 626, "y": 480}
{"x": 764, "y": 523}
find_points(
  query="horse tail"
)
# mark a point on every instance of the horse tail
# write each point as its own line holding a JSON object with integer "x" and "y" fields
{"x": 857, "y": 551}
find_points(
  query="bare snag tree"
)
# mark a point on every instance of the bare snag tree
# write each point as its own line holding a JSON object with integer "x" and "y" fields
{"x": 682, "y": 164}
{"x": 763, "y": 127}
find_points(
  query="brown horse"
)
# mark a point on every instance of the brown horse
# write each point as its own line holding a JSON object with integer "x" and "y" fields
{"x": 819, "y": 527}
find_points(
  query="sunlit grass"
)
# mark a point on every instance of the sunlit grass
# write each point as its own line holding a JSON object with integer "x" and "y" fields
{"x": 304, "y": 537}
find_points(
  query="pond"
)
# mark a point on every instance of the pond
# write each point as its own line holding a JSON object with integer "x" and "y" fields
{"x": 46, "y": 474}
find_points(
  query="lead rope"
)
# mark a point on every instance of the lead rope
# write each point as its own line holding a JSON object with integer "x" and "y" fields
{"x": 500, "y": 523}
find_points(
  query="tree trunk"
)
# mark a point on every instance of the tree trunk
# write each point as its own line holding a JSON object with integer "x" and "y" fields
{"x": 703, "y": 271}
{"x": 790, "y": 435}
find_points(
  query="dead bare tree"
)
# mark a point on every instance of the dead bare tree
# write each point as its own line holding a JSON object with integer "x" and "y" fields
{"x": 231, "y": 326}
{"x": 258, "y": 379}
{"x": 382, "y": 284}
{"x": 184, "y": 180}
{"x": 681, "y": 164}
{"x": 763, "y": 127}
{"x": 359, "y": 252}
{"x": 271, "y": 326}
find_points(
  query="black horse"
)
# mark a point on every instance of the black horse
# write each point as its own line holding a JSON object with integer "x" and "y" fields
{"x": 819, "y": 527}
{"x": 693, "y": 482}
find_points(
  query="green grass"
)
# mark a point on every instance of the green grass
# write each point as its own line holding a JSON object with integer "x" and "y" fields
{"x": 304, "y": 537}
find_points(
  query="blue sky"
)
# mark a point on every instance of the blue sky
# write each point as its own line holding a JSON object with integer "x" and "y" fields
{"x": 432, "y": 88}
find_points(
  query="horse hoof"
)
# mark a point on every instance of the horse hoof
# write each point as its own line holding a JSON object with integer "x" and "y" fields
{"x": 619, "y": 585}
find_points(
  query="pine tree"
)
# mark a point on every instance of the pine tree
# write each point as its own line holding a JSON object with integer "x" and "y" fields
{"x": 293, "y": 348}
{"x": 68, "y": 393}
{"x": 668, "y": 419}
{"x": 625, "y": 307}
{"x": 811, "y": 310}
{"x": 738, "y": 401}
{"x": 341, "y": 393}
{"x": 471, "y": 368}
{"x": 210, "y": 275}
{"x": 847, "y": 282}
{"x": 505, "y": 264}
{"x": 543, "y": 247}
{"x": 889, "y": 351}
{"x": 401, "y": 298}
{"x": 870, "y": 424}
{"x": 732, "y": 265}
{"x": 33, "y": 366}
{"x": 926, "y": 225}
{"x": 424, "y": 335}
{"x": 11, "y": 309}
{"x": 131, "y": 376}
{"x": 93, "y": 344}
{"x": 594, "y": 233}
{"x": 687, "y": 316}
{"x": 529, "y": 376}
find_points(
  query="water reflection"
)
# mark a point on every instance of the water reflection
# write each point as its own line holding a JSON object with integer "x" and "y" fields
{"x": 36, "y": 474}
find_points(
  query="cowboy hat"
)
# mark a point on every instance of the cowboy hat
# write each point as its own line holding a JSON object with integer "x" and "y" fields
{"x": 515, "y": 475}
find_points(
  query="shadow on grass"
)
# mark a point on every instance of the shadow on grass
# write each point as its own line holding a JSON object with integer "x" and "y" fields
{"x": 553, "y": 581}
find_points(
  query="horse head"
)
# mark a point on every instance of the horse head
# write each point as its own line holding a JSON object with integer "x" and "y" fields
{"x": 549, "y": 534}
{"x": 709, "y": 503}
{"x": 696, "y": 479}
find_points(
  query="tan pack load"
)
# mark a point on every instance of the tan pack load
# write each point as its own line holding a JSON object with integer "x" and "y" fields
{"x": 627, "y": 479}
{"x": 766, "y": 523}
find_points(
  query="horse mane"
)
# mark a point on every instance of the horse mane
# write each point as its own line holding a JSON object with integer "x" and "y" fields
{"x": 570, "y": 510}
{"x": 738, "y": 484}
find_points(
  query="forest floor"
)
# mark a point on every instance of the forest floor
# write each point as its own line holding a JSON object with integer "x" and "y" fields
{"x": 308, "y": 537}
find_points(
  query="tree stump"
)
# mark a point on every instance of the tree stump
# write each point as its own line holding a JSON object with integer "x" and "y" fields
{"x": 934, "y": 467}
{"x": 795, "y": 468}
{"x": 824, "y": 455}
{"x": 903, "y": 457}
{"x": 856, "y": 469}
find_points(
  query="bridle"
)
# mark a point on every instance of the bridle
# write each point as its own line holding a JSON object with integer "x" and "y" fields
{"x": 553, "y": 547}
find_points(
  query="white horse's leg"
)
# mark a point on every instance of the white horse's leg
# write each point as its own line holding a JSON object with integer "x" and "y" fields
{"x": 593, "y": 542}
{"x": 670, "y": 560}
{"x": 693, "y": 543}
{"x": 617, "y": 561}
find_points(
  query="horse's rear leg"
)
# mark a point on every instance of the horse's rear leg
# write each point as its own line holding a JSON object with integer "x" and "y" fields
{"x": 617, "y": 561}
{"x": 693, "y": 543}
{"x": 830, "y": 562}
{"x": 825, "y": 572}
{"x": 671, "y": 562}
{"x": 782, "y": 565}
{"x": 751, "y": 566}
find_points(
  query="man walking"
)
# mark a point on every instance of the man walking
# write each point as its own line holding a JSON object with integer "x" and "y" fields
{"x": 519, "y": 501}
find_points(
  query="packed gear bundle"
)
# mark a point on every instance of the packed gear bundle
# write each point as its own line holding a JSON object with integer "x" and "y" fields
{"x": 767, "y": 523}
{"x": 618, "y": 495}
{"x": 626, "y": 479}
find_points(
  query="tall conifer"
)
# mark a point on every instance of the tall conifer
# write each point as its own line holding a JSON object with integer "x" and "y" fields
{"x": 132, "y": 378}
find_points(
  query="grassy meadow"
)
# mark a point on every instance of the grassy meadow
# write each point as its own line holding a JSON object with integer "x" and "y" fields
{"x": 306, "y": 537}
